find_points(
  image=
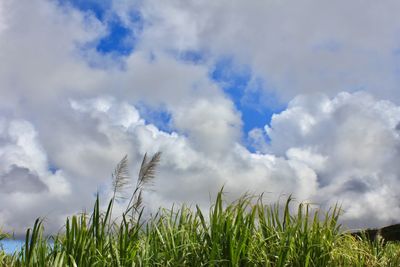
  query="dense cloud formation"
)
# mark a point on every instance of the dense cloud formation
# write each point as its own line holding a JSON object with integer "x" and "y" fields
{"x": 69, "y": 112}
{"x": 352, "y": 142}
{"x": 306, "y": 46}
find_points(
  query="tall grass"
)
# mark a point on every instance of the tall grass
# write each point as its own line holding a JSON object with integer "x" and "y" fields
{"x": 246, "y": 232}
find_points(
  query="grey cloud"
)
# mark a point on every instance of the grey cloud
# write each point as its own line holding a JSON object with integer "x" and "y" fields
{"x": 357, "y": 185}
{"x": 21, "y": 180}
{"x": 398, "y": 127}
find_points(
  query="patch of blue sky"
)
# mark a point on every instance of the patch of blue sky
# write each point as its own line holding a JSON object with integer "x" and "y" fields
{"x": 53, "y": 169}
{"x": 10, "y": 246}
{"x": 248, "y": 94}
{"x": 97, "y": 7}
{"x": 120, "y": 39}
{"x": 158, "y": 116}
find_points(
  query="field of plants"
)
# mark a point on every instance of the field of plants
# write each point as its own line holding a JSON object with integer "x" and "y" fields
{"x": 246, "y": 232}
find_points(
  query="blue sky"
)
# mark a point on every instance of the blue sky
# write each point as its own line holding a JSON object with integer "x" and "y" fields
{"x": 247, "y": 92}
{"x": 290, "y": 98}
{"x": 10, "y": 246}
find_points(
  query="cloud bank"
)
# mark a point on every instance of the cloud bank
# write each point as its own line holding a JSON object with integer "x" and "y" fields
{"x": 301, "y": 47}
{"x": 69, "y": 112}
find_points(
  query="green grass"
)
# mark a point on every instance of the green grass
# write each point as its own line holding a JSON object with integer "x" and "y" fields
{"x": 242, "y": 233}
{"x": 246, "y": 232}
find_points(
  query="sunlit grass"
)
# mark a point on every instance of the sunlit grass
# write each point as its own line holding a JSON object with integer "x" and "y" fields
{"x": 246, "y": 232}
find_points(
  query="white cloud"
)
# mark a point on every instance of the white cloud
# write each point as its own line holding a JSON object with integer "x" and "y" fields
{"x": 39, "y": 53}
{"x": 352, "y": 143}
{"x": 213, "y": 125}
{"x": 306, "y": 46}
{"x": 189, "y": 172}
{"x": 25, "y": 178}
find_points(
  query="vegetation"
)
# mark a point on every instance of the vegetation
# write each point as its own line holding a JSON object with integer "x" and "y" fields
{"x": 242, "y": 233}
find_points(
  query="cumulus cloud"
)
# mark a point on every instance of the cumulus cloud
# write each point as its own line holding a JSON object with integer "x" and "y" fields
{"x": 352, "y": 143}
{"x": 25, "y": 179}
{"x": 326, "y": 150}
{"x": 188, "y": 171}
{"x": 315, "y": 165}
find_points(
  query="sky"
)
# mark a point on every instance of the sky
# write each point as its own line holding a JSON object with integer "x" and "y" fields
{"x": 276, "y": 96}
